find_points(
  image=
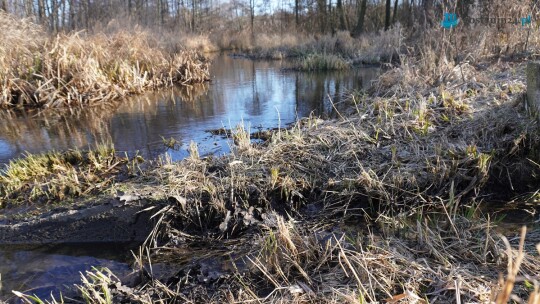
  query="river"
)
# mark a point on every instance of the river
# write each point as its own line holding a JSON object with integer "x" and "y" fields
{"x": 259, "y": 94}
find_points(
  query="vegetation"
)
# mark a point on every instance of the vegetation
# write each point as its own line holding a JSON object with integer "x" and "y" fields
{"x": 393, "y": 201}
{"x": 382, "y": 30}
{"x": 381, "y": 204}
{"x": 75, "y": 69}
{"x": 53, "y": 177}
{"x": 321, "y": 62}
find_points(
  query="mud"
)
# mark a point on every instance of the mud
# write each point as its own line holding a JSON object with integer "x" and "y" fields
{"x": 111, "y": 221}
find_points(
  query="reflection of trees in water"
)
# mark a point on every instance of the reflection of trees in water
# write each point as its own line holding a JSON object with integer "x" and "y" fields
{"x": 141, "y": 122}
{"x": 62, "y": 129}
{"x": 255, "y": 89}
{"x": 314, "y": 90}
{"x": 56, "y": 129}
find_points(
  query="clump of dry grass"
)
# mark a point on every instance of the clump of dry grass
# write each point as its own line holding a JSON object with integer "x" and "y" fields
{"x": 436, "y": 258}
{"x": 322, "y": 62}
{"x": 389, "y": 153}
{"x": 58, "y": 176}
{"x": 425, "y": 258}
{"x": 76, "y": 69}
{"x": 199, "y": 43}
{"x": 174, "y": 42}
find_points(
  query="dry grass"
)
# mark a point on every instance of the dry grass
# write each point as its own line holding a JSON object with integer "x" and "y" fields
{"x": 55, "y": 177}
{"x": 420, "y": 261}
{"x": 413, "y": 162}
{"x": 322, "y": 62}
{"x": 374, "y": 48}
{"x": 76, "y": 69}
{"x": 392, "y": 188}
{"x": 432, "y": 257}
{"x": 379, "y": 205}
{"x": 175, "y": 42}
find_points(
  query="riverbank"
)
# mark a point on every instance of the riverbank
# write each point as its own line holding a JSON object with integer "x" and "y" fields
{"x": 337, "y": 51}
{"x": 38, "y": 70}
{"x": 387, "y": 202}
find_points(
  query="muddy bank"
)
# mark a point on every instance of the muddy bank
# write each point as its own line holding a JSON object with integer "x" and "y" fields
{"x": 112, "y": 221}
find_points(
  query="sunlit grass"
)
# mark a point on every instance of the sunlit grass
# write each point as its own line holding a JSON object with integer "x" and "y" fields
{"x": 76, "y": 69}
{"x": 54, "y": 176}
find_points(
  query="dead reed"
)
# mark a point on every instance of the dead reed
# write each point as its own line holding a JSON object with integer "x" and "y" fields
{"x": 322, "y": 62}
{"x": 76, "y": 69}
{"x": 373, "y": 48}
{"x": 424, "y": 258}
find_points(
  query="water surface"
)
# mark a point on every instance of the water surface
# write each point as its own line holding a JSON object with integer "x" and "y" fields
{"x": 259, "y": 94}
{"x": 53, "y": 269}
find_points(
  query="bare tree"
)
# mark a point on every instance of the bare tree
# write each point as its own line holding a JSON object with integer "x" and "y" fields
{"x": 341, "y": 15}
{"x": 361, "y": 17}
{"x": 394, "y": 16}
{"x": 387, "y": 14}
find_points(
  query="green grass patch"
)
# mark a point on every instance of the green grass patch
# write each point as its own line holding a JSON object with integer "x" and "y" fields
{"x": 57, "y": 176}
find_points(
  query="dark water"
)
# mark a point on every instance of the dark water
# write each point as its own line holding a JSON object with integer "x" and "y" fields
{"x": 257, "y": 93}
{"x": 53, "y": 269}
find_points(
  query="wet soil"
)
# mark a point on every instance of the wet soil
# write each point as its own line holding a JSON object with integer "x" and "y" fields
{"x": 110, "y": 221}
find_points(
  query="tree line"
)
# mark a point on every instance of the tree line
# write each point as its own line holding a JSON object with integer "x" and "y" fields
{"x": 312, "y": 16}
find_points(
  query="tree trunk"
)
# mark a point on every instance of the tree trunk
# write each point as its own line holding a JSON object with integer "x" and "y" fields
{"x": 394, "y": 17}
{"x": 64, "y": 19}
{"x": 427, "y": 13}
{"x": 410, "y": 18}
{"x": 192, "y": 15}
{"x": 361, "y": 16}
{"x": 252, "y": 15}
{"x": 161, "y": 12}
{"x": 387, "y": 15}
{"x": 41, "y": 11}
{"x": 296, "y": 8}
{"x": 72, "y": 19}
{"x": 29, "y": 8}
{"x": 341, "y": 15}
{"x": 321, "y": 7}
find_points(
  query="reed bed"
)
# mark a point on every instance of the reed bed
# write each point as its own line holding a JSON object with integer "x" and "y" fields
{"x": 373, "y": 48}
{"x": 322, "y": 62}
{"x": 413, "y": 261}
{"x": 77, "y": 69}
{"x": 410, "y": 164}
{"x": 389, "y": 152}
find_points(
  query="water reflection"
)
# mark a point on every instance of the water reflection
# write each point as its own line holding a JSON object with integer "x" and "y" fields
{"x": 53, "y": 269}
{"x": 259, "y": 93}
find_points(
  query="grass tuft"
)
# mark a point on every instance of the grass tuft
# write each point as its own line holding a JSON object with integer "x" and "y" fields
{"x": 55, "y": 176}
{"x": 322, "y": 62}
